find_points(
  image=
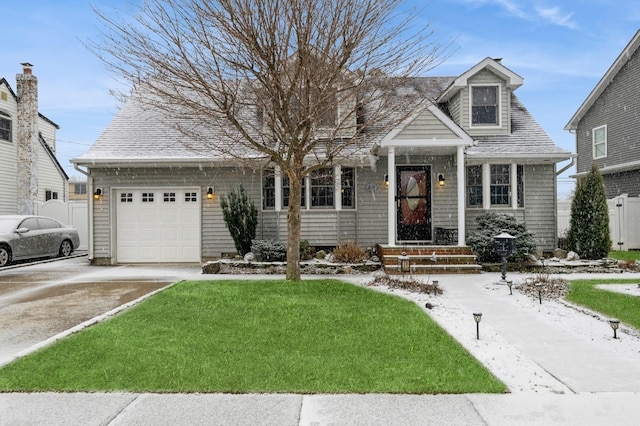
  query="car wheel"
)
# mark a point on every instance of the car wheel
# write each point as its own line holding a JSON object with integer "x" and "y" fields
{"x": 65, "y": 248}
{"x": 5, "y": 256}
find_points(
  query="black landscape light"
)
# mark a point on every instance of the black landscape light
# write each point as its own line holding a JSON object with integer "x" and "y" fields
{"x": 510, "y": 284}
{"x": 614, "y": 323}
{"x": 539, "y": 288}
{"x": 477, "y": 317}
{"x": 505, "y": 246}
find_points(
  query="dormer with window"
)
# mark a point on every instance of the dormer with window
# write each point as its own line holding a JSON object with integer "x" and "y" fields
{"x": 479, "y": 100}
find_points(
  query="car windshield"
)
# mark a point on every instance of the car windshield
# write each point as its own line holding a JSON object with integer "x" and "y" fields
{"x": 7, "y": 225}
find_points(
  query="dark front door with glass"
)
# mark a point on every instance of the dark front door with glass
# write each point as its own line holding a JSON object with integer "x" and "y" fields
{"x": 413, "y": 199}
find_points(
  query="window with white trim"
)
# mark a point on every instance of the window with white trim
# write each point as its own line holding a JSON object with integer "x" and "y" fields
{"x": 268, "y": 189}
{"x": 501, "y": 186}
{"x": 600, "y": 142}
{"x": 485, "y": 105}
{"x": 286, "y": 190}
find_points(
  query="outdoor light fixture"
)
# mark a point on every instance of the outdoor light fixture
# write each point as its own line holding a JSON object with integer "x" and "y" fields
{"x": 386, "y": 181}
{"x": 97, "y": 194}
{"x": 539, "y": 288}
{"x": 477, "y": 316}
{"x": 614, "y": 323}
{"x": 441, "y": 179}
{"x": 404, "y": 263}
{"x": 210, "y": 193}
{"x": 510, "y": 284}
{"x": 505, "y": 245}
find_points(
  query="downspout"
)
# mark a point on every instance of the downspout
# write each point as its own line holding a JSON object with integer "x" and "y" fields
{"x": 89, "y": 208}
{"x": 565, "y": 168}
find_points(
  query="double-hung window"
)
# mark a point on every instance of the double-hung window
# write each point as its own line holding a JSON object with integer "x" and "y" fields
{"x": 485, "y": 108}
{"x": 268, "y": 189}
{"x": 347, "y": 187}
{"x": 600, "y": 142}
{"x": 5, "y": 127}
{"x": 500, "y": 184}
{"x": 322, "y": 188}
{"x": 474, "y": 186}
{"x": 286, "y": 190}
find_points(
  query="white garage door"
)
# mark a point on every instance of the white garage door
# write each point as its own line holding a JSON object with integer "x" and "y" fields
{"x": 158, "y": 225}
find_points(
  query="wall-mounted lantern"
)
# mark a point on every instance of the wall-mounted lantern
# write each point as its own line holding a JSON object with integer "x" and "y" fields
{"x": 386, "y": 181}
{"x": 441, "y": 179}
{"x": 97, "y": 194}
{"x": 210, "y": 194}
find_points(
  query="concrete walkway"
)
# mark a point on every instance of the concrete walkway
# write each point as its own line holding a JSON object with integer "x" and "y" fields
{"x": 558, "y": 373}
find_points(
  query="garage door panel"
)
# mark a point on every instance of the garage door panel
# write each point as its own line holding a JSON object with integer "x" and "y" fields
{"x": 158, "y": 225}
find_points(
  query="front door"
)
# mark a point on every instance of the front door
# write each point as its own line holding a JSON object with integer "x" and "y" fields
{"x": 413, "y": 201}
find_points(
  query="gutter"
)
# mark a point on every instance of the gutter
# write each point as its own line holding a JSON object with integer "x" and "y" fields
{"x": 565, "y": 168}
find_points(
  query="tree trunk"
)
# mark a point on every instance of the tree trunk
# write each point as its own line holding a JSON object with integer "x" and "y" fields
{"x": 294, "y": 221}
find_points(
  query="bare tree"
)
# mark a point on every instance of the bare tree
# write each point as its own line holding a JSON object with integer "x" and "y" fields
{"x": 291, "y": 83}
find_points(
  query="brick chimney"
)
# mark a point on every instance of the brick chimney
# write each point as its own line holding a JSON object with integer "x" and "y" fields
{"x": 27, "y": 139}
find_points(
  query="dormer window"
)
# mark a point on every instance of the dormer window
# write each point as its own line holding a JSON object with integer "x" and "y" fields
{"x": 5, "y": 127}
{"x": 485, "y": 105}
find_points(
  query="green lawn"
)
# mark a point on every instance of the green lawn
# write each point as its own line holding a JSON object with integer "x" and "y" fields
{"x": 614, "y": 305}
{"x": 317, "y": 336}
{"x": 629, "y": 256}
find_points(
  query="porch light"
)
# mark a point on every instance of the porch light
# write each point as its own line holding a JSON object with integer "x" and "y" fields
{"x": 386, "y": 181}
{"x": 404, "y": 263}
{"x": 614, "y": 323}
{"x": 97, "y": 194}
{"x": 477, "y": 317}
{"x": 210, "y": 193}
{"x": 441, "y": 179}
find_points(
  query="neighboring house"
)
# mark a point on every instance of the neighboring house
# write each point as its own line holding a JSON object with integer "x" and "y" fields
{"x": 77, "y": 189}
{"x": 607, "y": 125}
{"x": 30, "y": 171}
{"x": 473, "y": 149}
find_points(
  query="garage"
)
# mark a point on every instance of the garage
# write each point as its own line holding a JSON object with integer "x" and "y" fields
{"x": 157, "y": 225}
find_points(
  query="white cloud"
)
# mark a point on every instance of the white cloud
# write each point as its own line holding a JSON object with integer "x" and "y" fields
{"x": 555, "y": 16}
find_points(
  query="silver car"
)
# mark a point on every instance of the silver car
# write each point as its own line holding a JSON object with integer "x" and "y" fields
{"x": 30, "y": 237}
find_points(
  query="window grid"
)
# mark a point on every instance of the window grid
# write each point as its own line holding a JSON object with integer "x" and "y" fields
{"x": 169, "y": 197}
{"x": 5, "y": 129}
{"x": 190, "y": 197}
{"x": 148, "y": 197}
{"x": 286, "y": 190}
{"x": 347, "y": 184}
{"x": 484, "y": 105}
{"x": 126, "y": 197}
{"x": 322, "y": 188}
{"x": 268, "y": 189}
{"x": 474, "y": 186}
{"x": 500, "y": 184}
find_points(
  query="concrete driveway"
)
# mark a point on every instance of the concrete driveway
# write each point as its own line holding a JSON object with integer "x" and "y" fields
{"x": 39, "y": 301}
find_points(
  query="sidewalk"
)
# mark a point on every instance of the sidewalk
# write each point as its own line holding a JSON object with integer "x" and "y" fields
{"x": 562, "y": 366}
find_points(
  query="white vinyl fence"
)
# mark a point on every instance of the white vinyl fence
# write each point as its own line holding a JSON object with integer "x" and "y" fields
{"x": 73, "y": 213}
{"x": 624, "y": 222}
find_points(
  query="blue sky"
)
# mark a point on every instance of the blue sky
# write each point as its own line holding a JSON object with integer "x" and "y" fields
{"x": 560, "y": 48}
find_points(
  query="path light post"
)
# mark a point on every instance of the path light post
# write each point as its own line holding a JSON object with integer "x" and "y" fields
{"x": 404, "y": 263}
{"x": 477, "y": 317}
{"x": 510, "y": 284}
{"x": 539, "y": 288}
{"x": 505, "y": 246}
{"x": 614, "y": 323}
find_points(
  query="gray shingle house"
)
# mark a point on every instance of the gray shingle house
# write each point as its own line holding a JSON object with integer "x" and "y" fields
{"x": 474, "y": 148}
{"x": 607, "y": 125}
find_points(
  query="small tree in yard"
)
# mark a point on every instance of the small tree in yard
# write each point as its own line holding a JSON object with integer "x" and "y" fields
{"x": 492, "y": 224}
{"x": 241, "y": 216}
{"x": 589, "y": 234}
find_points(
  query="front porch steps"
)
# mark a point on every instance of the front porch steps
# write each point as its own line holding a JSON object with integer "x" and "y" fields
{"x": 430, "y": 259}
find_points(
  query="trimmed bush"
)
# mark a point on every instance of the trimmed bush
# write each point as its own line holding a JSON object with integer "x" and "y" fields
{"x": 588, "y": 233}
{"x": 269, "y": 251}
{"x": 241, "y": 217}
{"x": 492, "y": 224}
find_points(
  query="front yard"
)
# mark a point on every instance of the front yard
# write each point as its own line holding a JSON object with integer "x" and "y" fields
{"x": 316, "y": 336}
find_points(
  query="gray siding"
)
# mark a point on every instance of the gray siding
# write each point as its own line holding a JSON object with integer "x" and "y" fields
{"x": 539, "y": 206}
{"x": 426, "y": 126}
{"x": 618, "y": 107}
{"x": 622, "y": 183}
